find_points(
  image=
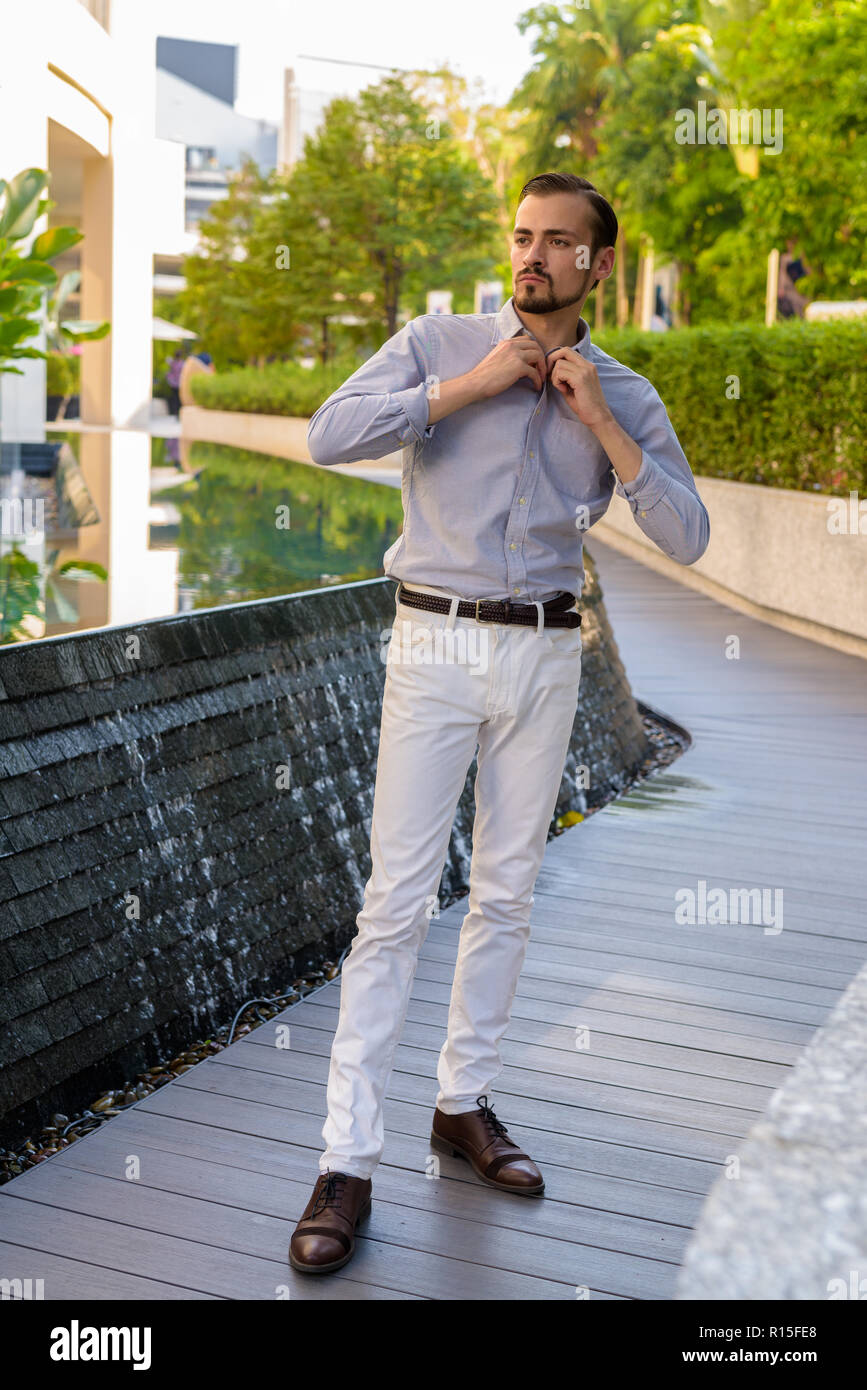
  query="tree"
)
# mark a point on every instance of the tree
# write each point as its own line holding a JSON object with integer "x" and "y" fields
{"x": 390, "y": 206}
{"x": 685, "y": 196}
{"x": 237, "y": 297}
{"x": 582, "y": 56}
{"x": 808, "y": 60}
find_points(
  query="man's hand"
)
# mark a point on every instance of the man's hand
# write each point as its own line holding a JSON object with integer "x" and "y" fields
{"x": 507, "y": 363}
{"x": 578, "y": 381}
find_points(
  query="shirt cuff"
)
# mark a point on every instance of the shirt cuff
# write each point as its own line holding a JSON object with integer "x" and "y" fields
{"x": 650, "y": 483}
{"x": 414, "y": 403}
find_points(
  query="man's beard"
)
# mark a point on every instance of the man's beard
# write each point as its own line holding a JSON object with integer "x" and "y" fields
{"x": 541, "y": 299}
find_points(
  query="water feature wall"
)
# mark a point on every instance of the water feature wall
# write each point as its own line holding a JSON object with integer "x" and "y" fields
{"x": 185, "y": 818}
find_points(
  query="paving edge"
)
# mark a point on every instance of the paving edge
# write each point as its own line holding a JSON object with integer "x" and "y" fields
{"x": 788, "y": 1219}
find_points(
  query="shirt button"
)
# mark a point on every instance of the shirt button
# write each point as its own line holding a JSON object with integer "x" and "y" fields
{"x": 512, "y": 546}
{"x": 522, "y": 501}
{"x": 517, "y": 591}
{"x": 532, "y": 456}
{"x": 644, "y": 513}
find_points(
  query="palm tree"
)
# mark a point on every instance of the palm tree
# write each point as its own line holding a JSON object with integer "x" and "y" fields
{"x": 582, "y": 55}
{"x": 581, "y": 71}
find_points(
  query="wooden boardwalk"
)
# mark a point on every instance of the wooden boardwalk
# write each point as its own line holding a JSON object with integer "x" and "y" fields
{"x": 689, "y": 1028}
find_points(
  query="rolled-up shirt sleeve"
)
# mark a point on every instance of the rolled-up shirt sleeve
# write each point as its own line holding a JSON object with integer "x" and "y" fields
{"x": 663, "y": 495}
{"x": 382, "y": 407}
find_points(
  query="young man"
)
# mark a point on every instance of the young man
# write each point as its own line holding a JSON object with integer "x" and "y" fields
{"x": 515, "y": 430}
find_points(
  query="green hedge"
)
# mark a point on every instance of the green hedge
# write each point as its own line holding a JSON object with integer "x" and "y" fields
{"x": 281, "y": 388}
{"x": 800, "y": 420}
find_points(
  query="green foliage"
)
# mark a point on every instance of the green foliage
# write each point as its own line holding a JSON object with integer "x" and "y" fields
{"x": 808, "y": 59}
{"x": 280, "y": 388}
{"x": 582, "y": 54}
{"x": 602, "y": 97}
{"x": 26, "y": 276}
{"x": 385, "y": 204}
{"x": 62, "y": 374}
{"x": 252, "y": 526}
{"x": 801, "y": 420}
{"x": 235, "y": 298}
{"x": 29, "y": 589}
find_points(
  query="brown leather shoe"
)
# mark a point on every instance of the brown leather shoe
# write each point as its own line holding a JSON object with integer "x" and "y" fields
{"x": 324, "y": 1238}
{"x": 480, "y": 1137}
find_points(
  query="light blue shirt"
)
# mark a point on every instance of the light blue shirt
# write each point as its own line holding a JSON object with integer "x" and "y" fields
{"x": 498, "y": 495}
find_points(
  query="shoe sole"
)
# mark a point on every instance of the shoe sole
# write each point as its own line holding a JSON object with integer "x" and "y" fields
{"x": 447, "y": 1146}
{"x": 335, "y": 1264}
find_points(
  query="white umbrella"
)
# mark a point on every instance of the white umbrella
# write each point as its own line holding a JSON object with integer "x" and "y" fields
{"x": 170, "y": 332}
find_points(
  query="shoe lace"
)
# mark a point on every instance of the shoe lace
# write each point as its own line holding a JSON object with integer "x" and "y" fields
{"x": 330, "y": 1193}
{"x": 489, "y": 1116}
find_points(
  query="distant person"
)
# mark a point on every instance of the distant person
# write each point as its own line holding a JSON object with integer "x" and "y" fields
{"x": 199, "y": 362}
{"x": 173, "y": 380}
{"x": 790, "y": 302}
{"x": 660, "y": 320}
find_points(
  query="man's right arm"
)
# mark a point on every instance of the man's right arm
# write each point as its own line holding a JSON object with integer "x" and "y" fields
{"x": 393, "y": 397}
{"x": 379, "y": 408}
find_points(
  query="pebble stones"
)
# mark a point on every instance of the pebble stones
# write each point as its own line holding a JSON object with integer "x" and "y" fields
{"x": 63, "y": 1131}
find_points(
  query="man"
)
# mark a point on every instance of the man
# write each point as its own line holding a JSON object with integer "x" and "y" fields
{"x": 790, "y": 302}
{"x": 515, "y": 429}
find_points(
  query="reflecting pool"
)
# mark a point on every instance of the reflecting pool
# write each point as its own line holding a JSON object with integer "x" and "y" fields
{"x": 178, "y": 525}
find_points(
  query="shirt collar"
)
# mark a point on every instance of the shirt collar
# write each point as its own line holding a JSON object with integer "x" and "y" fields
{"x": 507, "y": 324}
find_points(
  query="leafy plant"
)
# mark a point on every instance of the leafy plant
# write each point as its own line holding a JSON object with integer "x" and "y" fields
{"x": 21, "y": 596}
{"x": 26, "y": 275}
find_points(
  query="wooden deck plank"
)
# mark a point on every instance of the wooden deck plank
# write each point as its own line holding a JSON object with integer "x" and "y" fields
{"x": 64, "y": 1278}
{"x": 587, "y": 1188}
{"x": 387, "y": 1267}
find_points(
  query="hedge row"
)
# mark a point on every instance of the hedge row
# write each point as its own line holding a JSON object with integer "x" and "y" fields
{"x": 280, "y": 388}
{"x": 785, "y": 406}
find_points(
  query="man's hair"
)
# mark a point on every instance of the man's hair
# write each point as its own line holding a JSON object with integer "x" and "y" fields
{"x": 604, "y": 216}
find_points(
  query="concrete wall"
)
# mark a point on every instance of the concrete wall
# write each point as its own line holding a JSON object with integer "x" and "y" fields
{"x": 772, "y": 555}
{"x": 153, "y": 875}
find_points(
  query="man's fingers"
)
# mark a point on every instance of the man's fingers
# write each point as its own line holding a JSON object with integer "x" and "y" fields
{"x": 537, "y": 359}
{"x": 527, "y": 345}
{"x": 530, "y": 370}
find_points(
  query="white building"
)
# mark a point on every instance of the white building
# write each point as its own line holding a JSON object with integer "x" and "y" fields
{"x": 196, "y": 86}
{"x": 77, "y": 97}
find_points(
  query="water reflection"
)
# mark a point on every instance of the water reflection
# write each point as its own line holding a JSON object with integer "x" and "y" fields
{"x": 193, "y": 525}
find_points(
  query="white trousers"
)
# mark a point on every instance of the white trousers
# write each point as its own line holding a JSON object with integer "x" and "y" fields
{"x": 452, "y": 687}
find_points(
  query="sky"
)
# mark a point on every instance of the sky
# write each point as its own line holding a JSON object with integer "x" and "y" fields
{"x": 478, "y": 38}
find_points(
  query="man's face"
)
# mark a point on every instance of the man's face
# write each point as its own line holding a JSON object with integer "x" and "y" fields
{"x": 553, "y": 241}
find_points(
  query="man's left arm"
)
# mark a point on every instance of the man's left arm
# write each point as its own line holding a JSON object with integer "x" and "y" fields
{"x": 655, "y": 478}
{"x": 651, "y": 468}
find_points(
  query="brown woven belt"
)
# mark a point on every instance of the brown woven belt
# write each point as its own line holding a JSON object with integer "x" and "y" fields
{"x": 494, "y": 610}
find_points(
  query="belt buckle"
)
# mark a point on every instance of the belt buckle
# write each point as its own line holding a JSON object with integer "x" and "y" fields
{"x": 493, "y": 622}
